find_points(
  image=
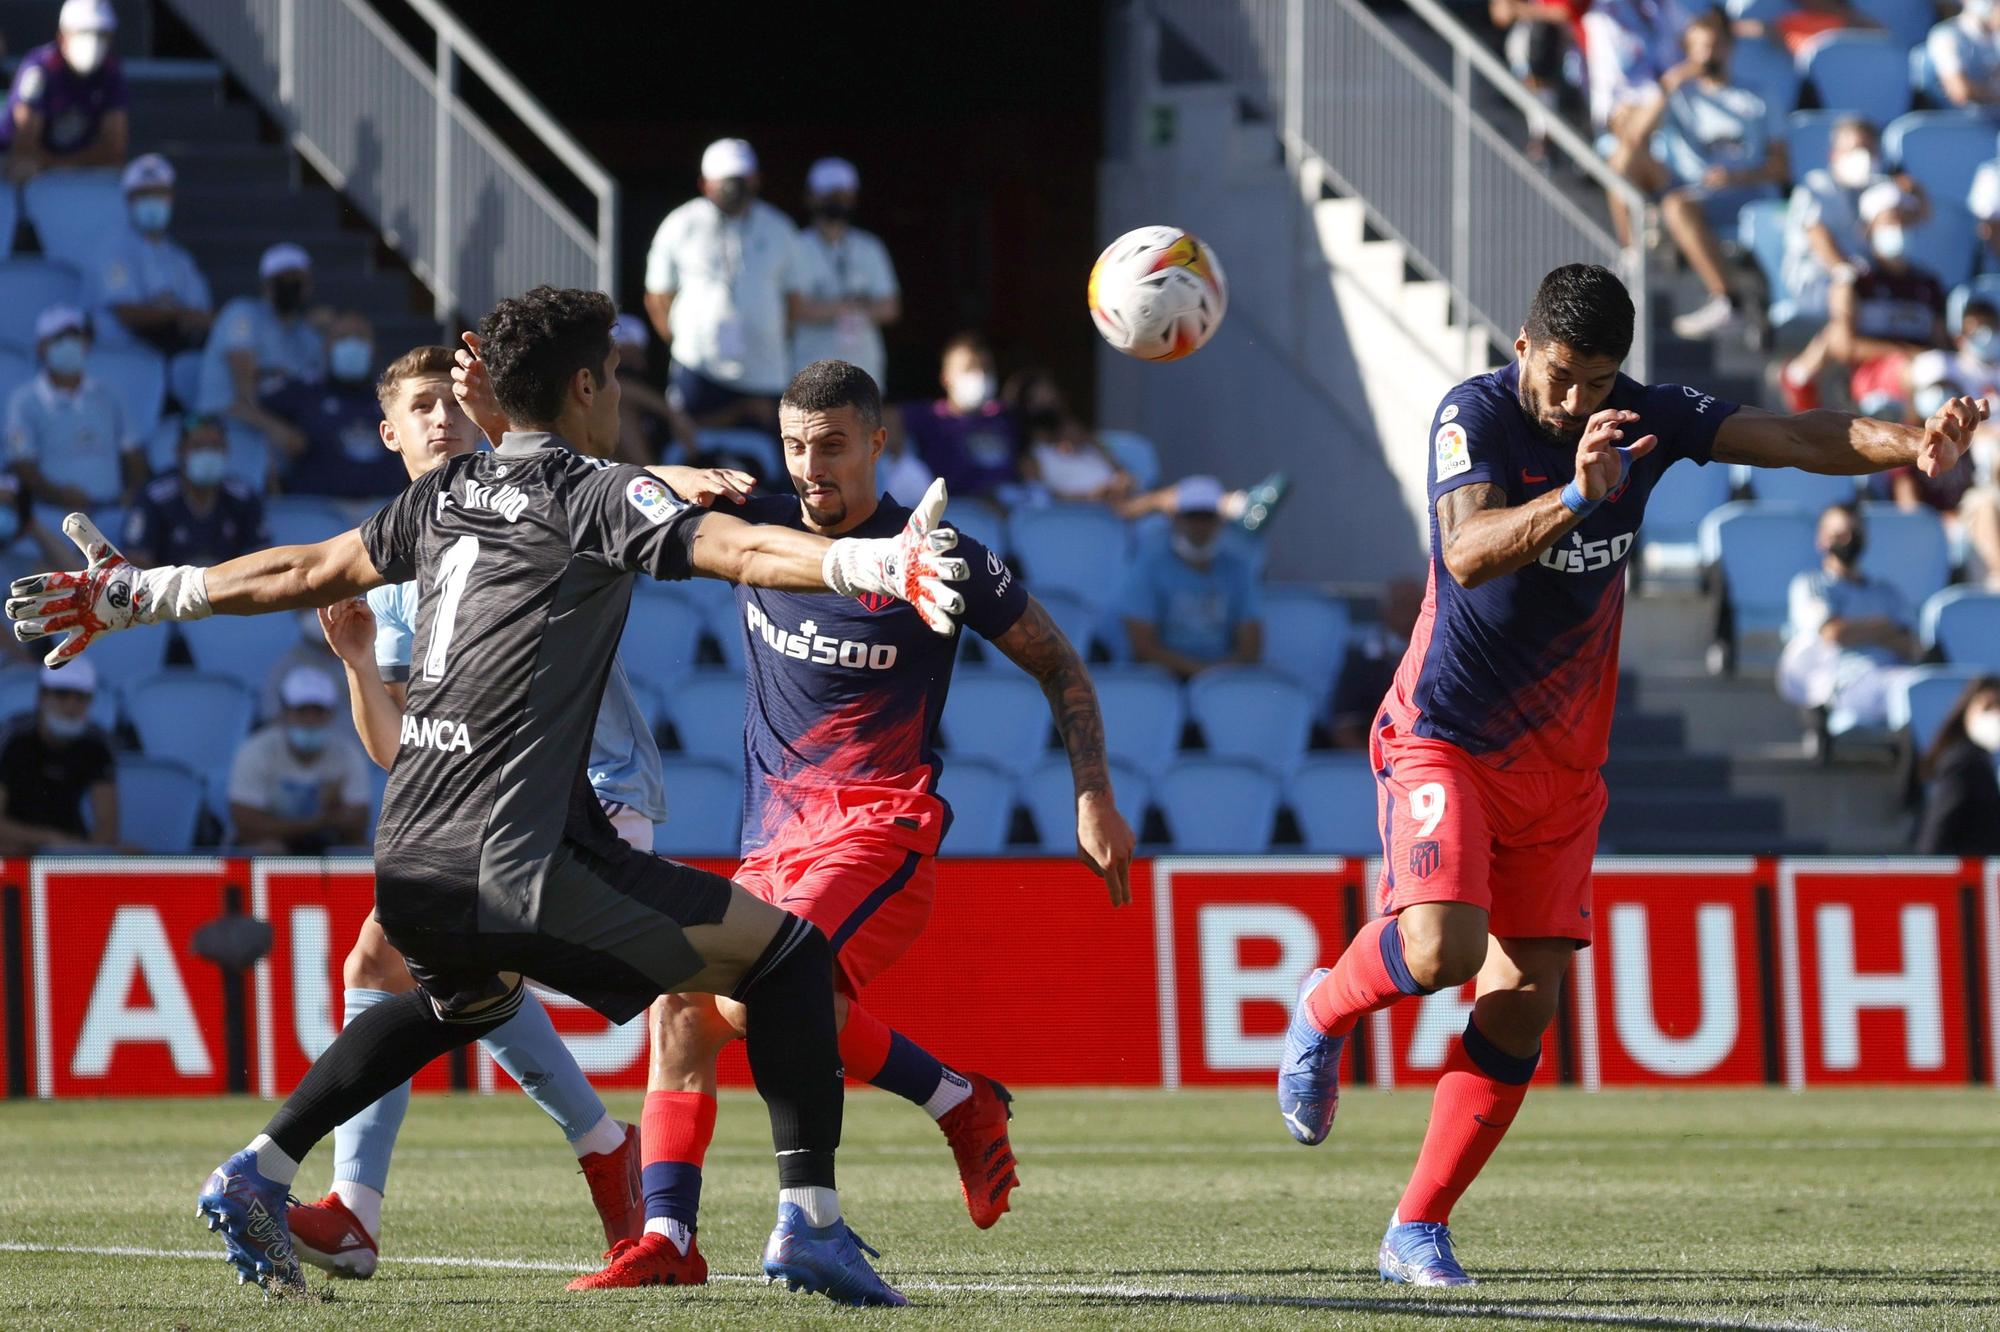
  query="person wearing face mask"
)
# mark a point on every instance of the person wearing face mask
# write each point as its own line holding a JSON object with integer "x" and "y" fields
{"x": 1881, "y": 317}
{"x": 144, "y": 289}
{"x": 261, "y": 344}
{"x": 1823, "y": 231}
{"x": 53, "y": 762}
{"x": 1846, "y": 634}
{"x": 1965, "y": 54}
{"x": 724, "y": 277}
{"x": 197, "y": 513}
{"x": 67, "y": 433}
{"x": 650, "y": 428}
{"x": 337, "y": 421}
{"x": 1192, "y": 602}
{"x": 68, "y": 106}
{"x": 1059, "y": 454}
{"x": 1961, "y": 814}
{"x": 969, "y": 437}
{"x": 297, "y": 786}
{"x": 848, "y": 274}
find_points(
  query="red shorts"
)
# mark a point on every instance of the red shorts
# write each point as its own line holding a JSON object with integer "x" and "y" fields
{"x": 868, "y": 886}
{"x": 1517, "y": 844}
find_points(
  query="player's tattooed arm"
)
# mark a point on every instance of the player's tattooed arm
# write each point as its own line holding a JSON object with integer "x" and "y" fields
{"x": 1841, "y": 444}
{"x": 1480, "y": 537}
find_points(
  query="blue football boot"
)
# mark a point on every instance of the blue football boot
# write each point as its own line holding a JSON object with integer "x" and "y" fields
{"x": 824, "y": 1259}
{"x": 1309, "y": 1073}
{"x": 249, "y": 1211}
{"x": 1418, "y": 1253}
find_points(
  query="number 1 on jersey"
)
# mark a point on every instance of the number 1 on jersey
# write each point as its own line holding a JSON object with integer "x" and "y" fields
{"x": 454, "y": 572}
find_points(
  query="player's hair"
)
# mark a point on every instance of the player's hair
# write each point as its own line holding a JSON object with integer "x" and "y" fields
{"x": 826, "y": 385}
{"x": 416, "y": 363}
{"x": 1981, "y": 308}
{"x": 968, "y": 341}
{"x": 533, "y": 343}
{"x": 1952, "y": 731}
{"x": 1586, "y": 308}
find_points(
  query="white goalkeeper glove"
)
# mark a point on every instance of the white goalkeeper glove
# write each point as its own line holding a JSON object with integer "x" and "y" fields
{"x": 108, "y": 595}
{"x": 910, "y": 566}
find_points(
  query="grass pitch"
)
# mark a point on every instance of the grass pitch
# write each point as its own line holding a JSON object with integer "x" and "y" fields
{"x": 1686, "y": 1209}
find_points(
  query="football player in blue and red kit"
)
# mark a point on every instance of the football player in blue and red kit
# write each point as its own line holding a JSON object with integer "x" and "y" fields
{"x": 1488, "y": 747}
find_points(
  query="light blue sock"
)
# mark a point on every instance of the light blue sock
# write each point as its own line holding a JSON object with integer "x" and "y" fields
{"x": 363, "y": 1145}
{"x": 527, "y": 1046}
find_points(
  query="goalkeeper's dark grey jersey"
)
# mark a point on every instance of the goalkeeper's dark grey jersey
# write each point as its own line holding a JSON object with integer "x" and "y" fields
{"x": 523, "y": 558}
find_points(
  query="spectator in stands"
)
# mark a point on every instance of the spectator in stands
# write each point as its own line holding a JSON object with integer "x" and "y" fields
{"x": 1193, "y": 603}
{"x": 723, "y": 276}
{"x": 1962, "y": 796}
{"x": 261, "y": 344}
{"x": 901, "y": 472}
{"x": 197, "y": 513}
{"x": 310, "y": 653}
{"x": 68, "y": 106}
{"x": 1628, "y": 45}
{"x": 968, "y": 436}
{"x": 1983, "y": 199}
{"x": 336, "y": 422}
{"x": 1369, "y": 667}
{"x": 1541, "y": 37}
{"x": 1965, "y": 54}
{"x": 67, "y": 434}
{"x": 650, "y": 428}
{"x": 146, "y": 288}
{"x": 1846, "y": 634}
{"x": 1879, "y": 318}
{"x": 297, "y": 786}
{"x": 1824, "y": 235}
{"x": 850, "y": 283}
{"x": 54, "y": 761}
{"x": 1966, "y": 496}
{"x": 1059, "y": 454}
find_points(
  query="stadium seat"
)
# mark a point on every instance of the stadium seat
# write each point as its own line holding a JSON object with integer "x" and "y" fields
{"x": 979, "y": 520}
{"x": 20, "y": 686}
{"x": 124, "y": 659}
{"x": 706, "y": 709}
{"x": 1985, "y": 286}
{"x": 1305, "y": 636}
{"x": 1254, "y": 713}
{"x": 661, "y": 632}
{"x": 1144, "y": 708}
{"x": 754, "y": 446}
{"x": 27, "y": 287}
{"x": 1964, "y": 624}
{"x": 1946, "y": 243}
{"x": 10, "y": 216}
{"x": 1077, "y": 619}
{"x": 192, "y": 716}
{"x": 1767, "y": 70}
{"x": 243, "y": 647}
{"x": 1135, "y": 453}
{"x": 1907, "y": 21}
{"x": 1334, "y": 801}
{"x": 15, "y": 370}
{"x": 1808, "y": 140}
{"x": 704, "y": 808}
{"x": 1920, "y": 697}
{"x": 1758, "y": 548}
{"x": 1219, "y": 806}
{"x": 1788, "y": 485}
{"x": 1923, "y": 75}
{"x": 724, "y": 621}
{"x": 184, "y": 378}
{"x": 1760, "y": 233}
{"x": 999, "y": 716}
{"x": 981, "y": 796}
{"x": 1684, "y": 496}
{"x": 76, "y": 213}
{"x": 159, "y": 804}
{"x": 139, "y": 376}
{"x": 249, "y": 455}
{"x": 1941, "y": 149}
{"x": 1867, "y": 73}
{"x": 1075, "y": 548}
{"x": 1049, "y": 793}
{"x": 1908, "y": 550}
{"x": 303, "y": 520}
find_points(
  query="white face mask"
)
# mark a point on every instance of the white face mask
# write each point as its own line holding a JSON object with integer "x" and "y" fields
{"x": 1853, "y": 168}
{"x": 85, "y": 51}
{"x": 1889, "y": 241}
{"x": 1983, "y": 729}
{"x": 970, "y": 390}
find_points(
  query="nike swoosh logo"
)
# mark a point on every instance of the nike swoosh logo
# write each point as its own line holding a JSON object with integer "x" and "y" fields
{"x": 1482, "y": 1119}
{"x": 1584, "y": 912}
{"x": 1532, "y": 480}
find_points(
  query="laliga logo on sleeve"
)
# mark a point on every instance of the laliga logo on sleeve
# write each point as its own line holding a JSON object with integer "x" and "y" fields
{"x": 649, "y": 497}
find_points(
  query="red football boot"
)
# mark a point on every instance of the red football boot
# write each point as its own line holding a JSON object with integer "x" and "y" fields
{"x": 616, "y": 1189}
{"x": 331, "y": 1238}
{"x": 651, "y": 1260}
{"x": 977, "y": 1130}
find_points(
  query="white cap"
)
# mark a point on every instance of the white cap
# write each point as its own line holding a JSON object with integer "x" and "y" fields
{"x": 305, "y": 687}
{"x": 832, "y": 175}
{"x": 284, "y": 257}
{"x": 628, "y": 330}
{"x": 147, "y": 172}
{"x": 1197, "y": 494}
{"x": 56, "y": 320}
{"x": 79, "y": 677}
{"x": 87, "y": 16}
{"x": 1880, "y": 198}
{"x": 726, "y": 158}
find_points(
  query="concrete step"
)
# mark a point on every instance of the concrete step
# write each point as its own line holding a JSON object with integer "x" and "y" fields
{"x": 1722, "y": 714}
{"x": 1852, "y": 806}
{"x": 208, "y": 164}
{"x": 1634, "y": 769}
{"x": 1647, "y": 730}
{"x": 309, "y": 209}
{"x": 1339, "y": 225}
{"x": 1667, "y": 631}
{"x": 1704, "y": 842}
{"x": 1705, "y": 811}
{"x": 226, "y": 245}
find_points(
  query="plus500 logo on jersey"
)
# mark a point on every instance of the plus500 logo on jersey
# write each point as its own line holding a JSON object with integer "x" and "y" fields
{"x": 808, "y": 644}
{"x": 1575, "y": 555}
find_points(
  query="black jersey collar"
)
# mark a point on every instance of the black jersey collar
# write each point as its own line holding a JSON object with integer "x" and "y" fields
{"x": 517, "y": 442}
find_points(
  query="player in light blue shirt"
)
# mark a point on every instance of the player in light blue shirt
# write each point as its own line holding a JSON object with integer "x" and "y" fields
{"x": 145, "y": 290}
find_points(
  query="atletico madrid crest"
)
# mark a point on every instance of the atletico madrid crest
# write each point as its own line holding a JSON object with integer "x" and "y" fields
{"x": 873, "y": 601}
{"x": 1423, "y": 859}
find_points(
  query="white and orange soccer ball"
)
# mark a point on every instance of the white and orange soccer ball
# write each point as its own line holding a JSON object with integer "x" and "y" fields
{"x": 1157, "y": 293}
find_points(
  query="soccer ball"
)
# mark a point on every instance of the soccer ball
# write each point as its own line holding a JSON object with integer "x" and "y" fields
{"x": 1157, "y": 293}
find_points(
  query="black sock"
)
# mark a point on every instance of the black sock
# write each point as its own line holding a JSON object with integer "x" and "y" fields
{"x": 378, "y": 1051}
{"x": 794, "y": 1050}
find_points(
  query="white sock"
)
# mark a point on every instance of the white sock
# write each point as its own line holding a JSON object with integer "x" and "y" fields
{"x": 952, "y": 1091}
{"x": 364, "y": 1202}
{"x": 606, "y": 1135}
{"x": 821, "y": 1206}
{"x": 676, "y": 1231}
{"x": 272, "y": 1163}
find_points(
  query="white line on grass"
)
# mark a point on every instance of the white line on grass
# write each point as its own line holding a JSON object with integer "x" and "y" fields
{"x": 1584, "y": 1317}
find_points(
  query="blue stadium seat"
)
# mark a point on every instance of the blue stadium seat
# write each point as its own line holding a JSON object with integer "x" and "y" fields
{"x": 979, "y": 520}
{"x": 10, "y": 214}
{"x": 1941, "y": 149}
{"x": 1766, "y": 69}
{"x": 1334, "y": 801}
{"x": 159, "y": 804}
{"x": 1946, "y": 242}
{"x": 192, "y": 716}
{"x": 243, "y": 647}
{"x": 1254, "y": 713}
{"x": 753, "y": 445}
{"x": 1760, "y": 232}
{"x": 249, "y": 455}
{"x": 661, "y": 633}
{"x": 1219, "y": 806}
{"x": 124, "y": 659}
{"x": 20, "y": 686}
{"x": 1985, "y": 286}
{"x": 1305, "y": 636}
{"x": 1920, "y": 697}
{"x": 724, "y": 621}
{"x": 76, "y": 213}
{"x": 304, "y": 520}
{"x": 706, "y": 709}
{"x": 1907, "y": 550}
{"x": 1907, "y": 21}
{"x": 27, "y": 287}
{"x": 1758, "y": 548}
{"x": 1135, "y": 453}
{"x": 981, "y": 796}
{"x": 1867, "y": 73}
{"x": 999, "y": 716}
{"x": 704, "y": 808}
{"x": 1808, "y": 140}
{"x": 1788, "y": 485}
{"x": 1049, "y": 794}
{"x": 1144, "y": 708}
{"x": 1076, "y": 548}
{"x": 1077, "y": 618}
{"x": 1923, "y": 74}
{"x": 1684, "y": 496}
{"x": 184, "y": 378}
{"x": 1964, "y": 624}
{"x": 139, "y": 376}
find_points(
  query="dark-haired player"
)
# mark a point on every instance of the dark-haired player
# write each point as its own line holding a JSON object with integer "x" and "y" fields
{"x": 493, "y": 857}
{"x": 1488, "y": 748}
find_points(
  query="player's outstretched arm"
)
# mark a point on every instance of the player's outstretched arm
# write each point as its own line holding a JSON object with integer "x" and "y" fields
{"x": 1038, "y": 646}
{"x": 349, "y": 627}
{"x": 1842, "y": 444}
